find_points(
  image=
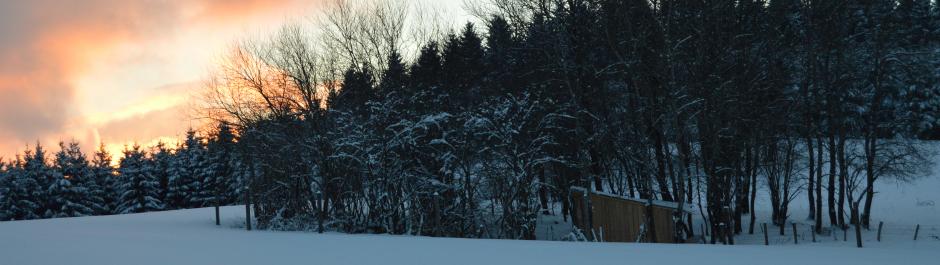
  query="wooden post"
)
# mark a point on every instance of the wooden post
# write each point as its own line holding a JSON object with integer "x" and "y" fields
{"x": 858, "y": 225}
{"x": 812, "y": 231}
{"x": 795, "y": 234}
{"x": 217, "y": 222}
{"x": 858, "y": 233}
{"x": 916, "y": 230}
{"x": 880, "y": 224}
{"x": 248, "y": 208}
{"x": 766, "y": 239}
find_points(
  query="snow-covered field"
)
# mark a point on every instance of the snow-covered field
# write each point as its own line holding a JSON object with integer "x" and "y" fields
{"x": 901, "y": 205}
{"x": 190, "y": 237}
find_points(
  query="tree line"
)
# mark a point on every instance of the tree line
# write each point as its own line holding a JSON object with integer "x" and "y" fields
{"x": 376, "y": 120}
{"x": 479, "y": 130}
{"x": 197, "y": 173}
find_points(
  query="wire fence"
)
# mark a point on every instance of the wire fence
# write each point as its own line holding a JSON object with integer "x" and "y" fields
{"x": 805, "y": 235}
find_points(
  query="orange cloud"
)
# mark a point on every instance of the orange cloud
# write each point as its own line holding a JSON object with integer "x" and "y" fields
{"x": 47, "y": 47}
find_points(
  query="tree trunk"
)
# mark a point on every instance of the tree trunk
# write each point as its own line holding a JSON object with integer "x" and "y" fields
{"x": 811, "y": 186}
{"x": 870, "y": 152}
{"x": 843, "y": 177}
{"x": 661, "y": 168}
{"x": 753, "y": 175}
{"x": 543, "y": 190}
{"x": 833, "y": 219}
{"x": 819, "y": 203}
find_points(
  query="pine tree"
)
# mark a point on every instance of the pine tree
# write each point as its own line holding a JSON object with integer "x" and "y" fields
{"x": 72, "y": 190}
{"x": 355, "y": 91}
{"x": 104, "y": 175}
{"x": 160, "y": 161}
{"x": 463, "y": 67}
{"x": 22, "y": 198}
{"x": 18, "y": 200}
{"x": 37, "y": 169}
{"x": 392, "y": 83}
{"x": 501, "y": 50}
{"x": 425, "y": 80}
{"x": 138, "y": 187}
{"x": 184, "y": 173}
{"x": 219, "y": 167}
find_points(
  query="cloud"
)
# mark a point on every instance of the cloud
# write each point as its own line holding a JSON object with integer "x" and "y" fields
{"x": 48, "y": 46}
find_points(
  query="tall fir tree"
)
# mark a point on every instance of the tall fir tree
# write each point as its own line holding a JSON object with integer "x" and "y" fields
{"x": 218, "y": 171}
{"x": 22, "y": 194}
{"x": 72, "y": 192}
{"x": 185, "y": 173}
{"x": 139, "y": 189}
{"x": 103, "y": 172}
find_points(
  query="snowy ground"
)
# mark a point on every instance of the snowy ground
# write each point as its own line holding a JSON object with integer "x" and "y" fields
{"x": 900, "y": 205}
{"x": 190, "y": 237}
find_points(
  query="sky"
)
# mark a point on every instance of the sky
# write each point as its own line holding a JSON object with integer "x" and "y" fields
{"x": 117, "y": 72}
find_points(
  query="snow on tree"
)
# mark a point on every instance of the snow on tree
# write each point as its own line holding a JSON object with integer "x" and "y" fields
{"x": 21, "y": 198}
{"x": 185, "y": 173}
{"x": 137, "y": 185}
{"x": 72, "y": 190}
{"x": 103, "y": 174}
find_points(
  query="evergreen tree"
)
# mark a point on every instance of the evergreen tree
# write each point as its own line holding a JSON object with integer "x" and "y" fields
{"x": 425, "y": 80}
{"x": 23, "y": 198}
{"x": 355, "y": 91}
{"x": 138, "y": 187}
{"x": 160, "y": 162}
{"x": 500, "y": 61}
{"x": 463, "y": 69}
{"x": 392, "y": 83}
{"x": 185, "y": 173}
{"x": 103, "y": 174}
{"x": 21, "y": 193}
{"x": 218, "y": 171}
{"x": 72, "y": 192}
{"x": 37, "y": 169}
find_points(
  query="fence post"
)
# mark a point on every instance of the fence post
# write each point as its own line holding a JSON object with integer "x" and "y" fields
{"x": 248, "y": 208}
{"x": 794, "y": 234}
{"x": 916, "y": 230}
{"x": 766, "y": 239}
{"x": 880, "y": 224}
{"x": 858, "y": 234}
{"x": 812, "y": 230}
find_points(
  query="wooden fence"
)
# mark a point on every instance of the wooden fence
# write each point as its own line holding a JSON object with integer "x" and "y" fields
{"x": 618, "y": 219}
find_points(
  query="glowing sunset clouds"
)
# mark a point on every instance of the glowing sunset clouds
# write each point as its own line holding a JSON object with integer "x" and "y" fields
{"x": 112, "y": 70}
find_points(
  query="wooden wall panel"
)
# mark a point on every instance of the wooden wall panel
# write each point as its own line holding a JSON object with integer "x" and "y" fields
{"x": 619, "y": 219}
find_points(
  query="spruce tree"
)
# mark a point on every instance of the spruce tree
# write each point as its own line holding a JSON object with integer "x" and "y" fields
{"x": 38, "y": 170}
{"x": 22, "y": 198}
{"x": 425, "y": 80}
{"x": 71, "y": 191}
{"x": 185, "y": 173}
{"x": 138, "y": 187}
{"x": 218, "y": 171}
{"x": 355, "y": 91}
{"x": 160, "y": 162}
{"x": 104, "y": 175}
{"x": 19, "y": 193}
{"x": 501, "y": 46}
